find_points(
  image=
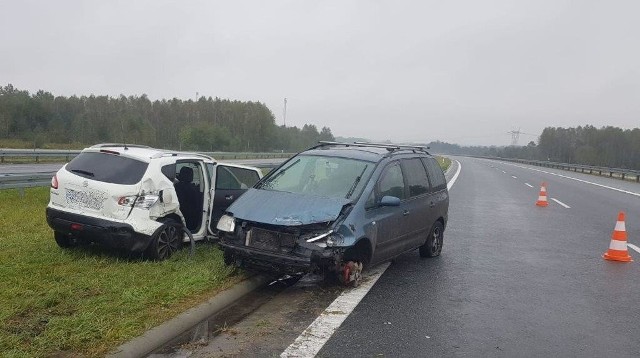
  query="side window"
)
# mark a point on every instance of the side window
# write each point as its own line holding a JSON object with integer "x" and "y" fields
{"x": 438, "y": 181}
{"x": 232, "y": 178}
{"x": 392, "y": 182}
{"x": 416, "y": 177}
{"x": 169, "y": 171}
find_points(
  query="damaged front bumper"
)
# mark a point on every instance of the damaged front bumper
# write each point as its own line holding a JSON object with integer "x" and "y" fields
{"x": 304, "y": 258}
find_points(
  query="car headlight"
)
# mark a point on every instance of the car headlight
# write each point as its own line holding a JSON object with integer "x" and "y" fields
{"x": 142, "y": 201}
{"x": 335, "y": 240}
{"x": 226, "y": 223}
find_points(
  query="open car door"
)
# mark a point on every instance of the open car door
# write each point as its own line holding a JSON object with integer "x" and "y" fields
{"x": 228, "y": 182}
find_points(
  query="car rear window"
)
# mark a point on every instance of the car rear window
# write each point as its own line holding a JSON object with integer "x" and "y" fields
{"x": 108, "y": 168}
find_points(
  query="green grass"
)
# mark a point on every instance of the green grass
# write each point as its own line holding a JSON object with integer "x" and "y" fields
{"x": 87, "y": 301}
{"x": 444, "y": 162}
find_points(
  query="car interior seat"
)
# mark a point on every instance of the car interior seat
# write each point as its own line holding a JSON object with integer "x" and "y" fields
{"x": 188, "y": 197}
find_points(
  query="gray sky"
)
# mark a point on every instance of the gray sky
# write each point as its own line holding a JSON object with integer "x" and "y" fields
{"x": 459, "y": 71}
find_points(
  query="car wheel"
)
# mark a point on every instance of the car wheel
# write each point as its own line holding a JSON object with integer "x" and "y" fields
{"x": 166, "y": 240}
{"x": 433, "y": 246}
{"x": 64, "y": 241}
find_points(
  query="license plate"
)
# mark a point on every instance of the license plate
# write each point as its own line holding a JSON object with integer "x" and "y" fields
{"x": 86, "y": 199}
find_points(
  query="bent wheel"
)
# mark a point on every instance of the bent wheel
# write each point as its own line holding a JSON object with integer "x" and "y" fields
{"x": 351, "y": 274}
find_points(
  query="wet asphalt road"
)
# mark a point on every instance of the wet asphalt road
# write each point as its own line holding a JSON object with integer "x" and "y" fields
{"x": 513, "y": 279}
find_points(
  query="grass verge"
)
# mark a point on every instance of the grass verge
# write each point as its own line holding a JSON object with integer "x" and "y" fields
{"x": 444, "y": 162}
{"x": 87, "y": 301}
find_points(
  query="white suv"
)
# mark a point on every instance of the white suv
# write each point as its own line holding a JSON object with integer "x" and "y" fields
{"x": 139, "y": 198}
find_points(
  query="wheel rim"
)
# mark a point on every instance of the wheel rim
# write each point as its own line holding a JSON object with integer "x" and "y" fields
{"x": 167, "y": 242}
{"x": 436, "y": 241}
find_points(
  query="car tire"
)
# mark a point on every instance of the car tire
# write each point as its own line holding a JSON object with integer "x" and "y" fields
{"x": 433, "y": 246}
{"x": 64, "y": 241}
{"x": 165, "y": 241}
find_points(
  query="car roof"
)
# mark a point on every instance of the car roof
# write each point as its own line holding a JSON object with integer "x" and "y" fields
{"x": 143, "y": 153}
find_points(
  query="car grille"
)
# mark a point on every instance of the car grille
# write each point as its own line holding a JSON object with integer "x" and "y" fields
{"x": 270, "y": 240}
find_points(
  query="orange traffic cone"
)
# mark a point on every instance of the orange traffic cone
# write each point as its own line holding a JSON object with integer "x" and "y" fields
{"x": 542, "y": 198}
{"x": 618, "y": 247}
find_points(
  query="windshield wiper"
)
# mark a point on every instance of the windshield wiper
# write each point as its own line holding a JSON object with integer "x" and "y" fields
{"x": 270, "y": 180}
{"x": 355, "y": 183}
{"x": 80, "y": 171}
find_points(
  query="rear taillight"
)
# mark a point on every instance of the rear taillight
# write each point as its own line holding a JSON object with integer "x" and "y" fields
{"x": 141, "y": 201}
{"x": 54, "y": 182}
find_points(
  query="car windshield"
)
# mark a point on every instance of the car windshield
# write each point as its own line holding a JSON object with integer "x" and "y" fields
{"x": 322, "y": 176}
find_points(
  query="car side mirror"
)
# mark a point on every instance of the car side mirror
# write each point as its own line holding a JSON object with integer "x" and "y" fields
{"x": 389, "y": 200}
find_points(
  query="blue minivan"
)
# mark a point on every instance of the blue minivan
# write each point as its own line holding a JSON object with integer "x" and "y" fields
{"x": 339, "y": 207}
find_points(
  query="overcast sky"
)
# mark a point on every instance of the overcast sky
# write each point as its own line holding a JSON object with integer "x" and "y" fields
{"x": 465, "y": 72}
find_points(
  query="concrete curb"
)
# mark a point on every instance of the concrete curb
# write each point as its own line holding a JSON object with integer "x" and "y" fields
{"x": 166, "y": 332}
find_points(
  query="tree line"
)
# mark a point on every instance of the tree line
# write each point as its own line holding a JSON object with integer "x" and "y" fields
{"x": 205, "y": 124}
{"x": 607, "y": 146}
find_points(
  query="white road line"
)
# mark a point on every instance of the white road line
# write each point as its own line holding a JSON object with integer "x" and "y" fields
{"x": 514, "y": 177}
{"x": 561, "y": 203}
{"x": 632, "y": 246}
{"x": 455, "y": 176}
{"x": 529, "y": 185}
{"x": 312, "y": 339}
{"x": 576, "y": 179}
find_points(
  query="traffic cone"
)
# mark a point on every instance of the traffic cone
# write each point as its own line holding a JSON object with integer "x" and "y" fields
{"x": 542, "y": 198}
{"x": 618, "y": 247}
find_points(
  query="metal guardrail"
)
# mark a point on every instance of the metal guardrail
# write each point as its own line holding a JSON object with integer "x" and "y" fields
{"x": 13, "y": 181}
{"x": 591, "y": 169}
{"x": 21, "y": 181}
{"x": 69, "y": 154}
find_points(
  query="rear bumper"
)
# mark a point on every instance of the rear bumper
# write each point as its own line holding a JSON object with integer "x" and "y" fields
{"x": 304, "y": 260}
{"x": 105, "y": 232}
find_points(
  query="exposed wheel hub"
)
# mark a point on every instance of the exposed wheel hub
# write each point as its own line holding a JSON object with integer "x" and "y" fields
{"x": 350, "y": 273}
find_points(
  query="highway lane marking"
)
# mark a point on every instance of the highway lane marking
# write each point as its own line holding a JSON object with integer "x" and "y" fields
{"x": 561, "y": 203}
{"x": 455, "y": 176}
{"x": 314, "y": 337}
{"x": 514, "y": 177}
{"x": 632, "y": 246}
{"x": 529, "y": 185}
{"x": 579, "y": 180}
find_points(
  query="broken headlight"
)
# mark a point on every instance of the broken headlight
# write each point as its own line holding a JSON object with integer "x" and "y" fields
{"x": 335, "y": 240}
{"x": 226, "y": 223}
{"x": 320, "y": 240}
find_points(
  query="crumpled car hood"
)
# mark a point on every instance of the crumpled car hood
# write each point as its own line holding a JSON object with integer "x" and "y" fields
{"x": 283, "y": 208}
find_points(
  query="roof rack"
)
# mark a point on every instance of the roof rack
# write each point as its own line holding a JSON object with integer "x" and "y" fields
{"x": 388, "y": 146}
{"x": 104, "y": 145}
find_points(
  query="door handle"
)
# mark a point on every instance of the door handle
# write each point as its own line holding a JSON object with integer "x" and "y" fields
{"x": 405, "y": 213}
{"x": 229, "y": 197}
